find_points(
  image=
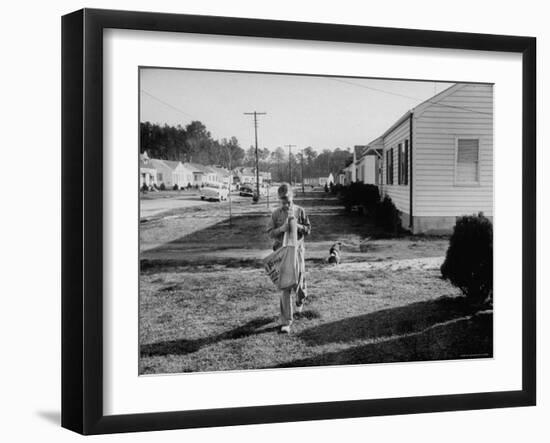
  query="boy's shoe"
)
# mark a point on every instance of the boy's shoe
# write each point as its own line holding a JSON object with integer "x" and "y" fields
{"x": 285, "y": 329}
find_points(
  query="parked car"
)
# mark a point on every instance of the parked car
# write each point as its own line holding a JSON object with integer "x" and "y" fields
{"x": 246, "y": 190}
{"x": 214, "y": 191}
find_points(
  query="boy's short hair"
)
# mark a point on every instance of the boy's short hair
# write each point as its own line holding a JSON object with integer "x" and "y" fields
{"x": 284, "y": 190}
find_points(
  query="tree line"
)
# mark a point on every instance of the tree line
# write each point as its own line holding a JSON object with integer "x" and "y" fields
{"x": 194, "y": 143}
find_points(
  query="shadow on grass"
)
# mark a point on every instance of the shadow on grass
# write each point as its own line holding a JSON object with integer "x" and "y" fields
{"x": 157, "y": 265}
{"x": 182, "y": 347}
{"x": 407, "y": 319}
{"x": 466, "y": 337}
{"x": 249, "y": 231}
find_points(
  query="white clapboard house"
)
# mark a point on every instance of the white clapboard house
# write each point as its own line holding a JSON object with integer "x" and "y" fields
{"x": 437, "y": 159}
{"x": 147, "y": 172}
{"x": 368, "y": 164}
{"x": 171, "y": 173}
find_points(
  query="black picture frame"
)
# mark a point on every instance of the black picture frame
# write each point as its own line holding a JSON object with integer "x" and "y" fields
{"x": 82, "y": 220}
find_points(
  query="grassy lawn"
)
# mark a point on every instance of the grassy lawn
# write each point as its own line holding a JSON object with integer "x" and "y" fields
{"x": 207, "y": 305}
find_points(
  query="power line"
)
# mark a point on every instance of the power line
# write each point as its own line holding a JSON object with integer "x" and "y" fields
{"x": 166, "y": 103}
{"x": 175, "y": 108}
{"x": 408, "y": 96}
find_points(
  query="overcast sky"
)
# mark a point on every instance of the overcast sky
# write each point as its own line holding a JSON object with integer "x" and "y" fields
{"x": 321, "y": 112}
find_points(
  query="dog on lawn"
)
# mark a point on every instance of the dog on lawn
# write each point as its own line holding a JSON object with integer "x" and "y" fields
{"x": 334, "y": 254}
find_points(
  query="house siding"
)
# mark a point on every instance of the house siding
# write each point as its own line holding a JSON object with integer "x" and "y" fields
{"x": 185, "y": 175}
{"x": 400, "y": 194}
{"x": 164, "y": 173}
{"x": 436, "y": 130}
{"x": 367, "y": 170}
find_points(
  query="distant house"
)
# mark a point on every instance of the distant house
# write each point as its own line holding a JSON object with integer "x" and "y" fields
{"x": 319, "y": 181}
{"x": 349, "y": 173}
{"x": 341, "y": 178}
{"x": 438, "y": 159}
{"x": 171, "y": 173}
{"x": 210, "y": 174}
{"x": 248, "y": 175}
{"x": 147, "y": 172}
{"x": 326, "y": 180}
{"x": 265, "y": 177}
{"x": 311, "y": 181}
{"x": 366, "y": 167}
{"x": 203, "y": 174}
{"x": 223, "y": 175}
{"x": 358, "y": 152}
{"x": 199, "y": 173}
{"x": 245, "y": 175}
{"x": 369, "y": 164}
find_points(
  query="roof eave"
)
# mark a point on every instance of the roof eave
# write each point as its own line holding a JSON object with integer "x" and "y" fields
{"x": 398, "y": 123}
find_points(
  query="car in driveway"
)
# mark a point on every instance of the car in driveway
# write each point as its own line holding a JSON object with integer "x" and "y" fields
{"x": 214, "y": 191}
{"x": 246, "y": 190}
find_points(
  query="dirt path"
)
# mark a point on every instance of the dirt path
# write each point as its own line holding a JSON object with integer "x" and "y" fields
{"x": 412, "y": 264}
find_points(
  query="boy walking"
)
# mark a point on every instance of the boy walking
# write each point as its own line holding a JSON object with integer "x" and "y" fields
{"x": 282, "y": 221}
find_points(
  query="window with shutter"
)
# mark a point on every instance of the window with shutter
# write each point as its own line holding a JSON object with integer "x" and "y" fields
{"x": 467, "y": 161}
{"x": 406, "y": 163}
{"x": 403, "y": 163}
{"x": 399, "y": 164}
{"x": 389, "y": 167}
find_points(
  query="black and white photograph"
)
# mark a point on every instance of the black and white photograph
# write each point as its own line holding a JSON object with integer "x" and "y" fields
{"x": 292, "y": 221}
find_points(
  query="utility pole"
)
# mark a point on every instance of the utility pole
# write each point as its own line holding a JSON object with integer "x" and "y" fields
{"x": 279, "y": 168}
{"x": 268, "y": 188}
{"x": 255, "y": 114}
{"x": 230, "y": 183}
{"x": 289, "y": 163}
{"x": 302, "y": 164}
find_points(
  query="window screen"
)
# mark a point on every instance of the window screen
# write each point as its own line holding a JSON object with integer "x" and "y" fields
{"x": 403, "y": 163}
{"x": 467, "y": 161}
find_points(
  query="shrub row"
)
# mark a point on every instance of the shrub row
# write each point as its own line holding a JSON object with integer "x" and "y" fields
{"x": 386, "y": 216}
{"x": 162, "y": 187}
{"x": 366, "y": 198}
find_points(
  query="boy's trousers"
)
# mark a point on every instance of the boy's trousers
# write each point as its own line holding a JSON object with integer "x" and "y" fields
{"x": 286, "y": 304}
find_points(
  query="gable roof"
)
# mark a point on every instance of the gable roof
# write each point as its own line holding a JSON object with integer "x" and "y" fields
{"x": 197, "y": 167}
{"x": 172, "y": 164}
{"x": 221, "y": 171}
{"x": 157, "y": 163}
{"x": 420, "y": 108}
{"x": 209, "y": 169}
{"x": 358, "y": 150}
{"x": 374, "y": 147}
{"x": 145, "y": 164}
